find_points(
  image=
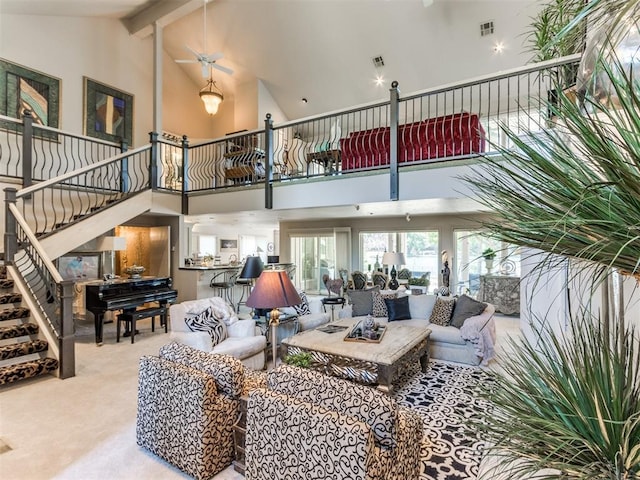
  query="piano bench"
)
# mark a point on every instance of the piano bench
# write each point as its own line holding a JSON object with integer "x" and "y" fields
{"x": 132, "y": 316}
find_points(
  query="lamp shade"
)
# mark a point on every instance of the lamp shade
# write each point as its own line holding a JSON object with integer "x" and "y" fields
{"x": 273, "y": 289}
{"x": 110, "y": 244}
{"x": 212, "y": 97}
{"x": 393, "y": 258}
{"x": 252, "y": 268}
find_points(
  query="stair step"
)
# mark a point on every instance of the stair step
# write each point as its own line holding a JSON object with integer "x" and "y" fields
{"x": 79, "y": 216}
{"x": 3, "y": 270}
{"x": 59, "y": 225}
{"x": 6, "y": 298}
{"x": 6, "y": 283}
{"x": 14, "y": 350}
{"x": 14, "y": 313}
{"x": 13, "y": 331}
{"x": 21, "y": 371}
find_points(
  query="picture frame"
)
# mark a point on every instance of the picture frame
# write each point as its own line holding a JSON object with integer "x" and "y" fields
{"x": 108, "y": 112}
{"x": 80, "y": 266}
{"x": 24, "y": 88}
{"x": 228, "y": 245}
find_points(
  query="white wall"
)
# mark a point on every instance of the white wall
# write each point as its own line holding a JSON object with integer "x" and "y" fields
{"x": 102, "y": 49}
{"x": 266, "y": 104}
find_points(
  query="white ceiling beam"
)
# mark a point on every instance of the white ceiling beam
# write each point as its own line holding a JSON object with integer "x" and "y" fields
{"x": 162, "y": 11}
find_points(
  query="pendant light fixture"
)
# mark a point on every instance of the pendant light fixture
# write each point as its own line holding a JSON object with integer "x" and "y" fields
{"x": 211, "y": 96}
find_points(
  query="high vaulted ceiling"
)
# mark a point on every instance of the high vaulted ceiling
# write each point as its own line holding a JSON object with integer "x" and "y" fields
{"x": 322, "y": 50}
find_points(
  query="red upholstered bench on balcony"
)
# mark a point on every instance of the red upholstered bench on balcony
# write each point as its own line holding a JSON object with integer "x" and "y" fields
{"x": 447, "y": 136}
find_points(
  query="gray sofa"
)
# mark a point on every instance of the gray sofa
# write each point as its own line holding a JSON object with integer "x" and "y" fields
{"x": 471, "y": 344}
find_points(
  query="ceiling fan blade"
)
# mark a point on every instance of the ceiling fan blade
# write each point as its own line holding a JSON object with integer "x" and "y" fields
{"x": 222, "y": 69}
{"x": 198, "y": 55}
{"x": 186, "y": 61}
{"x": 213, "y": 57}
{"x": 205, "y": 70}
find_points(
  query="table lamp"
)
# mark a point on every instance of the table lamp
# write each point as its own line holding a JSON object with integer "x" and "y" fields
{"x": 251, "y": 270}
{"x": 393, "y": 258}
{"x": 112, "y": 244}
{"x": 273, "y": 289}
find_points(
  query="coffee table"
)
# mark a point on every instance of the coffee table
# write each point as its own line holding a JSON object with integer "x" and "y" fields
{"x": 369, "y": 363}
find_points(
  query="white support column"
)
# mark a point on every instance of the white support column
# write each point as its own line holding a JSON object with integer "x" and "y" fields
{"x": 157, "y": 77}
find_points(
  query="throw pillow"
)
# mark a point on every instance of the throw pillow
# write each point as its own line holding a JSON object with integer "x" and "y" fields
{"x": 441, "y": 314}
{"x": 303, "y": 308}
{"x": 207, "y": 322}
{"x": 398, "y": 308}
{"x": 379, "y": 307}
{"x": 466, "y": 307}
{"x": 421, "y": 306}
{"x": 362, "y": 301}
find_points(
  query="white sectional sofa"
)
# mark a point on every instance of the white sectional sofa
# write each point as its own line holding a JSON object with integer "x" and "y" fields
{"x": 471, "y": 344}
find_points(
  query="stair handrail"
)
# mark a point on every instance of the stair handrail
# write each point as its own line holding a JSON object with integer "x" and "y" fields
{"x": 17, "y": 215}
{"x": 88, "y": 168}
{"x": 59, "y": 292}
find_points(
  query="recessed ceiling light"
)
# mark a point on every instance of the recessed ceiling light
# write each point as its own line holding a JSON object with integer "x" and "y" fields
{"x": 498, "y": 47}
{"x": 379, "y": 80}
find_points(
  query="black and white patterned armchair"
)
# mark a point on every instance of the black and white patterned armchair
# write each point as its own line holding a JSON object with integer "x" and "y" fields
{"x": 188, "y": 401}
{"x": 309, "y": 425}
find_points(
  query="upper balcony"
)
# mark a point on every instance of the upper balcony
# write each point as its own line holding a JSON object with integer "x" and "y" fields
{"x": 410, "y": 148}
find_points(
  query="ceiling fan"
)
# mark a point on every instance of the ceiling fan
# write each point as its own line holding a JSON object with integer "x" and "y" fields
{"x": 208, "y": 61}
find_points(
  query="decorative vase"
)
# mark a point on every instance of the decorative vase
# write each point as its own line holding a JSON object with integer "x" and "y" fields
{"x": 488, "y": 262}
{"x": 134, "y": 271}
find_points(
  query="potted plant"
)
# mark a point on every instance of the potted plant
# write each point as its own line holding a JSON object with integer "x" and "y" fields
{"x": 573, "y": 406}
{"x": 300, "y": 359}
{"x": 489, "y": 254}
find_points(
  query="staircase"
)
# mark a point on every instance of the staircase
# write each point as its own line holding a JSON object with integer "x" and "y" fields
{"x": 22, "y": 353}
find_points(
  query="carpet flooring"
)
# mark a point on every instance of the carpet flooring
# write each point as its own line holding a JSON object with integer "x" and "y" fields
{"x": 446, "y": 397}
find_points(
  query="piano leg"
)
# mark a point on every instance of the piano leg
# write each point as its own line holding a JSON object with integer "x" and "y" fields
{"x": 99, "y": 320}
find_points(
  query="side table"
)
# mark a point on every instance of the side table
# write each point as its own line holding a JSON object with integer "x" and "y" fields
{"x": 287, "y": 327}
{"x": 332, "y": 302}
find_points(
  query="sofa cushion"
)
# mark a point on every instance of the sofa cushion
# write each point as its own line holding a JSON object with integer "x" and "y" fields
{"x": 364, "y": 403}
{"x": 449, "y": 335}
{"x": 398, "y": 308}
{"x": 362, "y": 301}
{"x": 441, "y": 314}
{"x": 311, "y": 321}
{"x": 241, "y": 347}
{"x": 227, "y": 371}
{"x": 207, "y": 321}
{"x": 465, "y": 307}
{"x": 421, "y": 306}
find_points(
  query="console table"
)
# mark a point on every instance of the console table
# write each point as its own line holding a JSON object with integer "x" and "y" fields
{"x": 503, "y": 291}
{"x": 328, "y": 159}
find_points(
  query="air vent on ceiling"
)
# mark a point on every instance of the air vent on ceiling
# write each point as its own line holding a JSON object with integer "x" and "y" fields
{"x": 486, "y": 28}
{"x": 378, "y": 61}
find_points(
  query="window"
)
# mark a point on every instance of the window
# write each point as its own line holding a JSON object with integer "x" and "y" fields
{"x": 420, "y": 251}
{"x": 470, "y": 265}
{"x": 314, "y": 256}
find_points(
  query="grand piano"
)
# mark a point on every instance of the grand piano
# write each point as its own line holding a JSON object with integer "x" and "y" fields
{"x": 126, "y": 295}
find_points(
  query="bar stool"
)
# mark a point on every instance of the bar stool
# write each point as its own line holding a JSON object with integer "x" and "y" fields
{"x": 223, "y": 282}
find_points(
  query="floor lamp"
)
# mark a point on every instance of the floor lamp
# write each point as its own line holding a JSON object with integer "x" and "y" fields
{"x": 273, "y": 290}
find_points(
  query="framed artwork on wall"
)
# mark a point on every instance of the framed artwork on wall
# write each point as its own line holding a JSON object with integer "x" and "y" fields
{"x": 228, "y": 245}
{"x": 108, "y": 112}
{"x": 23, "y": 88}
{"x": 80, "y": 266}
